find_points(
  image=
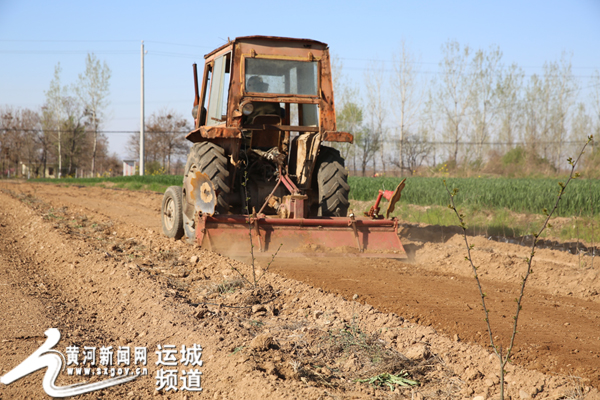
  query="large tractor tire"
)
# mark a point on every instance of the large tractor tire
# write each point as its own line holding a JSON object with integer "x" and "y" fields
{"x": 172, "y": 214}
{"x": 210, "y": 159}
{"x": 332, "y": 183}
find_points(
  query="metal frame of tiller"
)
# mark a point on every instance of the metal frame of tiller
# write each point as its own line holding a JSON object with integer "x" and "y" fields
{"x": 320, "y": 236}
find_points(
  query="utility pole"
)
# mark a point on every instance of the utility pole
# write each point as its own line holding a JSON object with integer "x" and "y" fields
{"x": 142, "y": 118}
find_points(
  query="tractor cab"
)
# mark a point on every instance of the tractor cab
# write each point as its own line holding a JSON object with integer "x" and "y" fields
{"x": 270, "y": 94}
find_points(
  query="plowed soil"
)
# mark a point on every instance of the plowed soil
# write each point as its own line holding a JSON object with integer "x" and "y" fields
{"x": 93, "y": 262}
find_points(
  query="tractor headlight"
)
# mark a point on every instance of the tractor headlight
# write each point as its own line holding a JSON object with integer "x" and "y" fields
{"x": 247, "y": 109}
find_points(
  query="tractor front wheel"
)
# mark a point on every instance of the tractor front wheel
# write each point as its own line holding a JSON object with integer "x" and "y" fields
{"x": 171, "y": 211}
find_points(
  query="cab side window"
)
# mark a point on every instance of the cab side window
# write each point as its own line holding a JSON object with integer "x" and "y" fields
{"x": 219, "y": 90}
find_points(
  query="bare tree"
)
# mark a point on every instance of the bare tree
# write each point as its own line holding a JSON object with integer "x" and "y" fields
{"x": 12, "y": 124}
{"x": 565, "y": 89}
{"x": 582, "y": 123}
{"x": 484, "y": 95}
{"x": 548, "y": 101}
{"x": 337, "y": 74}
{"x": 350, "y": 119}
{"x": 54, "y": 113}
{"x": 46, "y": 137}
{"x": 349, "y": 110}
{"x": 31, "y": 146}
{"x": 18, "y": 144}
{"x": 407, "y": 97}
{"x": 454, "y": 97}
{"x": 74, "y": 133}
{"x": 3, "y": 148}
{"x": 165, "y": 139}
{"x": 537, "y": 123}
{"x": 510, "y": 115}
{"x": 92, "y": 90}
{"x": 374, "y": 129}
{"x": 416, "y": 150}
{"x": 595, "y": 101}
{"x": 170, "y": 129}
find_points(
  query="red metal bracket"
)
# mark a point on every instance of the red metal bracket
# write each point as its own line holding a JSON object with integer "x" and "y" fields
{"x": 374, "y": 211}
{"x": 289, "y": 184}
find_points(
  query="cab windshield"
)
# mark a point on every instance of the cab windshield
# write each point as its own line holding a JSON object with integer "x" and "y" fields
{"x": 281, "y": 76}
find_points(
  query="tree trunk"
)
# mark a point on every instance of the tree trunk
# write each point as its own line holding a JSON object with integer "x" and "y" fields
{"x": 94, "y": 153}
{"x": 59, "y": 156}
{"x": 401, "y": 155}
{"x": 456, "y": 152}
{"x": 374, "y": 165}
{"x": 95, "y": 142}
{"x": 364, "y": 166}
{"x": 72, "y": 154}
{"x": 44, "y": 157}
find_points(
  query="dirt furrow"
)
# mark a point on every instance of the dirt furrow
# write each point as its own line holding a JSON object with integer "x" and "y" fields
{"x": 556, "y": 334}
{"x": 93, "y": 263}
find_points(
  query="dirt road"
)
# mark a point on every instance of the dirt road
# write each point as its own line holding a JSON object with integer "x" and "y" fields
{"x": 93, "y": 263}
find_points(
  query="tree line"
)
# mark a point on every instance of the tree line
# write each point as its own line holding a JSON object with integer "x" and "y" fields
{"x": 62, "y": 137}
{"x": 477, "y": 113}
{"x": 165, "y": 144}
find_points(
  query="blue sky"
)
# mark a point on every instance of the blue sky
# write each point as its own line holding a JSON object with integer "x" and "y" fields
{"x": 36, "y": 35}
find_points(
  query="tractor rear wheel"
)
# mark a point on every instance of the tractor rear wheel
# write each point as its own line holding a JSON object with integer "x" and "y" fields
{"x": 172, "y": 214}
{"x": 332, "y": 182}
{"x": 210, "y": 159}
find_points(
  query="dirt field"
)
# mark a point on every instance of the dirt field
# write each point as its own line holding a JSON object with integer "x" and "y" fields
{"x": 93, "y": 263}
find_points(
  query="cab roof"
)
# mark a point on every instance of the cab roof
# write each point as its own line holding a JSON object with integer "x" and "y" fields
{"x": 267, "y": 39}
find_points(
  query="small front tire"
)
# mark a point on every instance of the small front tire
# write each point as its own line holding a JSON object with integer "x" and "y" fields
{"x": 172, "y": 212}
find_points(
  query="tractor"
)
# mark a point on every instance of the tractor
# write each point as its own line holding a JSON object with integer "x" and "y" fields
{"x": 259, "y": 172}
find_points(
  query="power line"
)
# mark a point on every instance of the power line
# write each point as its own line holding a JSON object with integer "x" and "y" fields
{"x": 168, "y": 54}
{"x": 180, "y": 44}
{"x": 71, "y": 130}
{"x": 67, "y": 52}
{"x": 98, "y": 41}
{"x": 212, "y": 47}
{"x": 65, "y": 41}
{"x": 437, "y": 63}
{"x": 394, "y": 140}
{"x": 416, "y": 72}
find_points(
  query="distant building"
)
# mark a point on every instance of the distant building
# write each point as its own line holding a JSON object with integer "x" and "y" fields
{"x": 129, "y": 167}
{"x": 34, "y": 171}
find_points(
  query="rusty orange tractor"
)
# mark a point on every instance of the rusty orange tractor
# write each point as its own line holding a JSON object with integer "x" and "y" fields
{"x": 258, "y": 172}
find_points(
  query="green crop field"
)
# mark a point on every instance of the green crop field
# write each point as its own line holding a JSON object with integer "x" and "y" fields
{"x": 520, "y": 195}
{"x": 156, "y": 183}
{"x": 490, "y": 204}
{"x": 582, "y": 197}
